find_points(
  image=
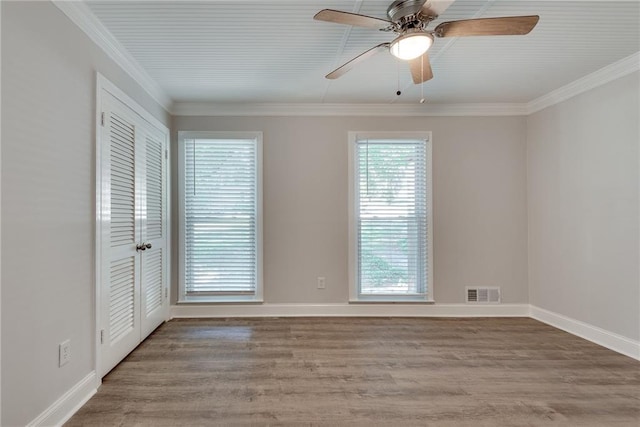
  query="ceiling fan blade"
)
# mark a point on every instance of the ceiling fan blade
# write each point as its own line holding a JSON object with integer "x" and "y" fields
{"x": 435, "y": 7}
{"x": 347, "y": 18}
{"x": 511, "y": 25}
{"x": 421, "y": 69}
{"x": 349, "y": 65}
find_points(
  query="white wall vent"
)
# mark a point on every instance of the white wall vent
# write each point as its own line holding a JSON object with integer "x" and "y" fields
{"x": 483, "y": 295}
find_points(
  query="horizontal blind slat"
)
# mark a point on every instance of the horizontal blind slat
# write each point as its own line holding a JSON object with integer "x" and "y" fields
{"x": 391, "y": 183}
{"x": 220, "y": 216}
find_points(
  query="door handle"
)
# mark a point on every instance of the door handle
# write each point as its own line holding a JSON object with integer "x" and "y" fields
{"x": 148, "y": 246}
{"x": 140, "y": 247}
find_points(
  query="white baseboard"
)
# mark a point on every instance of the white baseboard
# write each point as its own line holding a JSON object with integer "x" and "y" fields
{"x": 350, "y": 310}
{"x": 68, "y": 404}
{"x": 597, "y": 335}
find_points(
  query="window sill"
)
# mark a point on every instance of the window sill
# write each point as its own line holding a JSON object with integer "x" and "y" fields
{"x": 218, "y": 300}
{"x": 390, "y": 301}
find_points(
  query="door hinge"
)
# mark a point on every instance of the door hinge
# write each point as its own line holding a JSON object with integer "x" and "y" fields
{"x": 102, "y": 118}
{"x": 102, "y": 336}
{"x": 166, "y": 154}
{"x": 166, "y": 293}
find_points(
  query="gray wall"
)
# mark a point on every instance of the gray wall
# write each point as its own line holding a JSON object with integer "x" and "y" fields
{"x": 583, "y": 207}
{"x": 48, "y": 202}
{"x": 480, "y": 228}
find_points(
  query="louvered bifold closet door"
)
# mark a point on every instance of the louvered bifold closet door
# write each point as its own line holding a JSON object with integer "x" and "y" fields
{"x": 120, "y": 228}
{"x": 154, "y": 232}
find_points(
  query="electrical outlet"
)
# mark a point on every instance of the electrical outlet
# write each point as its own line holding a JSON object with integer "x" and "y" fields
{"x": 321, "y": 282}
{"x": 64, "y": 350}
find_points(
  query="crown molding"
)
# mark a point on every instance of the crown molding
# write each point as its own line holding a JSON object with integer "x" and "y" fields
{"x": 604, "y": 75}
{"x": 80, "y": 14}
{"x": 421, "y": 110}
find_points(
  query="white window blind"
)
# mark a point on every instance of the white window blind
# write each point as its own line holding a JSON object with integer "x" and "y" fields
{"x": 220, "y": 216}
{"x": 392, "y": 217}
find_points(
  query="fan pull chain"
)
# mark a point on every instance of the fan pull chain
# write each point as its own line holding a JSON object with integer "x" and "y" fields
{"x": 422, "y": 84}
{"x": 398, "y": 92}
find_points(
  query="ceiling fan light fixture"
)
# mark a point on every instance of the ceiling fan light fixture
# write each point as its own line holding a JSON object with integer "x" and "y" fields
{"x": 411, "y": 45}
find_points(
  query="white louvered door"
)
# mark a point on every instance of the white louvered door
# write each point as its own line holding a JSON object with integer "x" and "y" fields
{"x": 154, "y": 231}
{"x": 120, "y": 262}
{"x": 132, "y": 231}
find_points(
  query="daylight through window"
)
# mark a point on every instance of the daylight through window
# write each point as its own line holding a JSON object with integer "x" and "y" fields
{"x": 220, "y": 217}
{"x": 392, "y": 198}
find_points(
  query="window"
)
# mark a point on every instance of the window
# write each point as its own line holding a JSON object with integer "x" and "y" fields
{"x": 390, "y": 226}
{"x": 220, "y": 195}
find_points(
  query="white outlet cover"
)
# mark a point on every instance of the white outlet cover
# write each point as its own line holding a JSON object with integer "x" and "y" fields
{"x": 64, "y": 353}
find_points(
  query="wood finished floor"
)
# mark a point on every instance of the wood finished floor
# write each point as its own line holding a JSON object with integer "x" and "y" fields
{"x": 366, "y": 371}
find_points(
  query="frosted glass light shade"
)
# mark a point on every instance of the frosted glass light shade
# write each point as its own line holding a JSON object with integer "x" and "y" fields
{"x": 411, "y": 45}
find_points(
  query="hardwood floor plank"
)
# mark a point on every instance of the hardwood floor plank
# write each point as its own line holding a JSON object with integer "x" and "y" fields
{"x": 366, "y": 371}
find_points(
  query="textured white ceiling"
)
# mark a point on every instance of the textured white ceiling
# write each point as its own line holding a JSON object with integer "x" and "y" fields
{"x": 274, "y": 52}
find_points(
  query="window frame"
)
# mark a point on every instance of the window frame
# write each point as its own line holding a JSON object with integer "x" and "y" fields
{"x": 257, "y": 296}
{"x": 354, "y": 292}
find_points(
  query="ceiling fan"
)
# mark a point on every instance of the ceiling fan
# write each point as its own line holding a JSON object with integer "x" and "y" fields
{"x": 409, "y": 19}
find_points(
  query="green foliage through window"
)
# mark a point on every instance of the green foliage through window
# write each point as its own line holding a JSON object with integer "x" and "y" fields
{"x": 391, "y": 187}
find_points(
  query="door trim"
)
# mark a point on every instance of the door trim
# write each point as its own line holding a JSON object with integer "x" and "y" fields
{"x": 105, "y": 85}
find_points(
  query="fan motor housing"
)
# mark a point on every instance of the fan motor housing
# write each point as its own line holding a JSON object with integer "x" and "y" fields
{"x": 401, "y": 8}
